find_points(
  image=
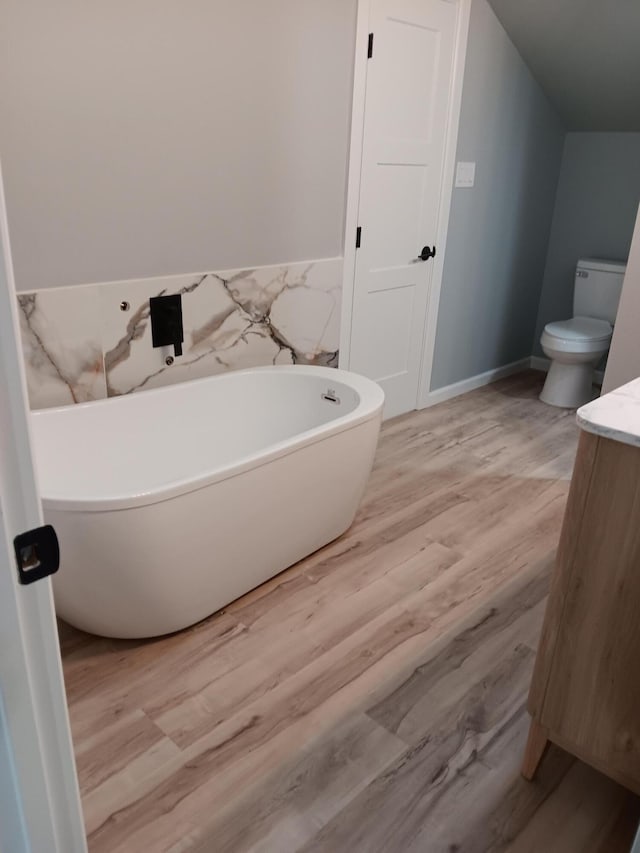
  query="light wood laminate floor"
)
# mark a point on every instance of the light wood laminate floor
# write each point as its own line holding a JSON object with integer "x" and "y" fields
{"x": 372, "y": 697}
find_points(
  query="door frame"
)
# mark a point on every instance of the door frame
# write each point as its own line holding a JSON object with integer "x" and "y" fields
{"x": 355, "y": 176}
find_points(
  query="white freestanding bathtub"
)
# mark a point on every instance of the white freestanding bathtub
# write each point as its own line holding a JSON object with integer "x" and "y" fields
{"x": 172, "y": 502}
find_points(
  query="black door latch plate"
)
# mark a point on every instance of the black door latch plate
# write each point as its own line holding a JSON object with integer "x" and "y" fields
{"x": 37, "y": 554}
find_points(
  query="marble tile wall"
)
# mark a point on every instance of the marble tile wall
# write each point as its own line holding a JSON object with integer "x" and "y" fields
{"x": 84, "y": 343}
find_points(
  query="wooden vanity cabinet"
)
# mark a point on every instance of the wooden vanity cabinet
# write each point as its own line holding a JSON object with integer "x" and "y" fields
{"x": 585, "y": 692}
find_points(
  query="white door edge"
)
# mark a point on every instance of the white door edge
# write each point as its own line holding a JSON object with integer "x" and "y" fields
{"x": 13, "y": 832}
{"x": 35, "y": 720}
{"x": 354, "y": 181}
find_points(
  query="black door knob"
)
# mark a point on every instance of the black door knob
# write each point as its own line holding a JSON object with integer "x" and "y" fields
{"x": 427, "y": 253}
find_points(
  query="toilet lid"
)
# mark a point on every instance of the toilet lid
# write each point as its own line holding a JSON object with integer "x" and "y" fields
{"x": 580, "y": 329}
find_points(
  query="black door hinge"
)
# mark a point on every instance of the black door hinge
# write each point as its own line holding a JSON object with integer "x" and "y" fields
{"x": 37, "y": 554}
{"x": 370, "y": 46}
{"x": 358, "y": 236}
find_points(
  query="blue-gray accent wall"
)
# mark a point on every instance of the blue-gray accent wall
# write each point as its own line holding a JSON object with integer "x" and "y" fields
{"x": 595, "y": 211}
{"x": 498, "y": 230}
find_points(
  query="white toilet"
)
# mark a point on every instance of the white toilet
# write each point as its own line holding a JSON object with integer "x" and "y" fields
{"x": 576, "y": 346}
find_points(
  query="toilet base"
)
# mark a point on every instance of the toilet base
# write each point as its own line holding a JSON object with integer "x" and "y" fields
{"x": 568, "y": 385}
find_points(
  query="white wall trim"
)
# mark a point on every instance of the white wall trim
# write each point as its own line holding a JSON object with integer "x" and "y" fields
{"x": 354, "y": 180}
{"x": 538, "y": 362}
{"x": 446, "y": 194}
{"x": 473, "y": 382}
{"x": 534, "y": 362}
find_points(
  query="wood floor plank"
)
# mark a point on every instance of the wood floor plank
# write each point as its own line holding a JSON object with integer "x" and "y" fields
{"x": 285, "y": 810}
{"x": 119, "y": 681}
{"x": 622, "y": 829}
{"x": 130, "y": 736}
{"x": 503, "y": 625}
{"x": 318, "y": 696}
{"x": 374, "y": 692}
{"x": 402, "y": 807}
{"x": 318, "y": 622}
{"x": 387, "y": 621}
{"x": 126, "y": 784}
{"x": 579, "y": 816}
{"x": 461, "y": 817}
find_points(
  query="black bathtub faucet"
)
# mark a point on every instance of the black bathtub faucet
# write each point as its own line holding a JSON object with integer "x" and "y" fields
{"x": 166, "y": 322}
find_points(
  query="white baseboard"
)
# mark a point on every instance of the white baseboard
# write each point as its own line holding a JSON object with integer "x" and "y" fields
{"x": 473, "y": 382}
{"x": 539, "y": 362}
{"x": 535, "y": 362}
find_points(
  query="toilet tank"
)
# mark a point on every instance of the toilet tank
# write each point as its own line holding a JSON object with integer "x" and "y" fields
{"x": 597, "y": 288}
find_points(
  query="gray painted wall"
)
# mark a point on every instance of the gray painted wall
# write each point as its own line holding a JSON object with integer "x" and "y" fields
{"x": 151, "y": 137}
{"x": 498, "y": 231}
{"x": 584, "y": 54}
{"x": 595, "y": 211}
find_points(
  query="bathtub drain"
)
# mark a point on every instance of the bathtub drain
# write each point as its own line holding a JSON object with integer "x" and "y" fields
{"x": 331, "y": 396}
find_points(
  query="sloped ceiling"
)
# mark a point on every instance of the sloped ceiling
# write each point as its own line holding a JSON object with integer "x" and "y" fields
{"x": 584, "y": 53}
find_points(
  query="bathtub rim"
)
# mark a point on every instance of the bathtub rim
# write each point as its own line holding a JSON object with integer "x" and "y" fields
{"x": 370, "y": 405}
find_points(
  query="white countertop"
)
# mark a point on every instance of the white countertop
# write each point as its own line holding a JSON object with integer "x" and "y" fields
{"x": 615, "y": 416}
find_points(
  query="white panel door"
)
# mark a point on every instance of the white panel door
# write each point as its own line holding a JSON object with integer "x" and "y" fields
{"x": 406, "y": 107}
{"x": 39, "y": 800}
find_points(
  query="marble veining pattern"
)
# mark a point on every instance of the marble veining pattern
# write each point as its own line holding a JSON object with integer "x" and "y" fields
{"x": 62, "y": 346}
{"x": 288, "y": 314}
{"x": 616, "y": 415}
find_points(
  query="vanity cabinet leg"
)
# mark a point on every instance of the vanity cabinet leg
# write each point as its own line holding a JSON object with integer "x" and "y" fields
{"x": 537, "y": 744}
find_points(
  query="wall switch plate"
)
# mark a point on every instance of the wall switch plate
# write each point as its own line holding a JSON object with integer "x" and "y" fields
{"x": 465, "y": 174}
